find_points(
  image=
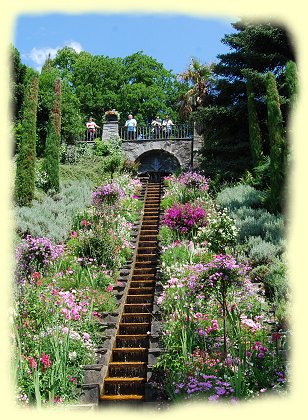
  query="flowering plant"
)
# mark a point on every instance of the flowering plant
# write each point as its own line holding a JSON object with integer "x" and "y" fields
{"x": 35, "y": 255}
{"x": 111, "y": 114}
{"x": 183, "y": 218}
{"x": 107, "y": 194}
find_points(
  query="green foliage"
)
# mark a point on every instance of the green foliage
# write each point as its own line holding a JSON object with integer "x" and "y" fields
{"x": 53, "y": 143}
{"x": 25, "y": 169}
{"x": 292, "y": 81}
{"x": 240, "y": 195}
{"x": 254, "y": 127}
{"x": 76, "y": 153}
{"x": 276, "y": 281}
{"x": 18, "y": 73}
{"x": 223, "y": 118}
{"x": 258, "y": 222}
{"x": 261, "y": 251}
{"x": 53, "y": 216}
{"x": 278, "y": 146}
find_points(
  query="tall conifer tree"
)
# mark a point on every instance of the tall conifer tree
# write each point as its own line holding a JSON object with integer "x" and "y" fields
{"x": 25, "y": 170}
{"x": 278, "y": 152}
{"x": 255, "y": 136}
{"x": 53, "y": 142}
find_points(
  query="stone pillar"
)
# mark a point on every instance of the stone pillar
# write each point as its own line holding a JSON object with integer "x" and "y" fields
{"x": 110, "y": 129}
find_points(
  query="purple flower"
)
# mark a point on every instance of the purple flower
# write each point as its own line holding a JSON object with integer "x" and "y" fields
{"x": 107, "y": 194}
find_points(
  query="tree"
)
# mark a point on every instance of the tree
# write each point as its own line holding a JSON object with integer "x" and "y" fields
{"x": 198, "y": 78}
{"x": 149, "y": 89}
{"x": 278, "y": 147}
{"x": 18, "y": 74}
{"x": 292, "y": 81}
{"x": 25, "y": 169}
{"x": 48, "y": 76}
{"x": 255, "y": 136}
{"x": 53, "y": 142}
{"x": 223, "y": 118}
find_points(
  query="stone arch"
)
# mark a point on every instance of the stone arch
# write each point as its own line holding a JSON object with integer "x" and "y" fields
{"x": 158, "y": 160}
{"x": 181, "y": 150}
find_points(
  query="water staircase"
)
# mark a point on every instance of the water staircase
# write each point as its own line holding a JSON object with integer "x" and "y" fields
{"x": 127, "y": 368}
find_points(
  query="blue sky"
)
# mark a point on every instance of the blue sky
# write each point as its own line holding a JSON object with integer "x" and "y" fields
{"x": 170, "y": 39}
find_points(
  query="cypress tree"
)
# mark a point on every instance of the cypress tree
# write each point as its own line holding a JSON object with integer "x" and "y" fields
{"x": 291, "y": 80}
{"x": 25, "y": 169}
{"x": 278, "y": 150}
{"x": 53, "y": 142}
{"x": 255, "y": 137}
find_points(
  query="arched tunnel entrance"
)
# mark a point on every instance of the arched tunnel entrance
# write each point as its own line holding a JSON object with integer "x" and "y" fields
{"x": 157, "y": 162}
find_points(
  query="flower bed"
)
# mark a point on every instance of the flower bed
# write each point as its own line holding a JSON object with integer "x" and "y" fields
{"x": 60, "y": 292}
{"x": 218, "y": 332}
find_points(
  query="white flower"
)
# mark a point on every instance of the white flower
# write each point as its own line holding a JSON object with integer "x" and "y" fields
{"x": 72, "y": 355}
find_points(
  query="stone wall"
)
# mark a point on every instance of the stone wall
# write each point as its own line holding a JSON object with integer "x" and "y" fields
{"x": 181, "y": 149}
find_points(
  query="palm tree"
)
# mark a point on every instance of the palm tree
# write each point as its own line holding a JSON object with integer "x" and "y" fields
{"x": 198, "y": 76}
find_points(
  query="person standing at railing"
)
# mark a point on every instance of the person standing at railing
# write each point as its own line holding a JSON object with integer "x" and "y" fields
{"x": 156, "y": 127}
{"x": 91, "y": 129}
{"x": 131, "y": 125}
{"x": 167, "y": 127}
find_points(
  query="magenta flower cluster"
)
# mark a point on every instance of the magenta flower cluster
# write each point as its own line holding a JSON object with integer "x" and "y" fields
{"x": 107, "y": 194}
{"x": 184, "y": 217}
{"x": 34, "y": 254}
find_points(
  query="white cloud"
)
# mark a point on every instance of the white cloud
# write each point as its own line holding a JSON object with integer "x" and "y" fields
{"x": 39, "y": 55}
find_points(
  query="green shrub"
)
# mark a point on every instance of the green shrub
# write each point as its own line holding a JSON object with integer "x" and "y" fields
{"x": 276, "y": 282}
{"x": 260, "y": 251}
{"x": 238, "y": 196}
{"x": 53, "y": 216}
{"x": 74, "y": 153}
{"x": 258, "y": 222}
{"x": 166, "y": 236}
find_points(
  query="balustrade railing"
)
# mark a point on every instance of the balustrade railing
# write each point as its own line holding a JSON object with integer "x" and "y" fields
{"x": 148, "y": 132}
{"x": 176, "y": 132}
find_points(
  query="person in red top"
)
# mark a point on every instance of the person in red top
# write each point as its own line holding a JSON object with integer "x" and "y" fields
{"x": 91, "y": 127}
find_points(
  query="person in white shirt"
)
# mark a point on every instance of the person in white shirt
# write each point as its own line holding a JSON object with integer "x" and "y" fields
{"x": 91, "y": 127}
{"x": 156, "y": 127}
{"x": 131, "y": 125}
{"x": 167, "y": 127}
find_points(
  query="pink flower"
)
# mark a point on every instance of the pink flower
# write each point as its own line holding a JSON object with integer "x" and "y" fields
{"x": 109, "y": 288}
{"x": 74, "y": 234}
{"x": 84, "y": 222}
{"x": 215, "y": 324}
{"x": 45, "y": 360}
{"x": 86, "y": 336}
{"x": 32, "y": 363}
{"x": 36, "y": 275}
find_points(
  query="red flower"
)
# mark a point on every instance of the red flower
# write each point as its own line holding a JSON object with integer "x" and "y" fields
{"x": 36, "y": 275}
{"x": 276, "y": 336}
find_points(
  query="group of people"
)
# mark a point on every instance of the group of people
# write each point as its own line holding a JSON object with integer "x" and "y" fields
{"x": 160, "y": 128}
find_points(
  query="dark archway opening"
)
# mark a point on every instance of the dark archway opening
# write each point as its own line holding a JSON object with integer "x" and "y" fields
{"x": 157, "y": 162}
